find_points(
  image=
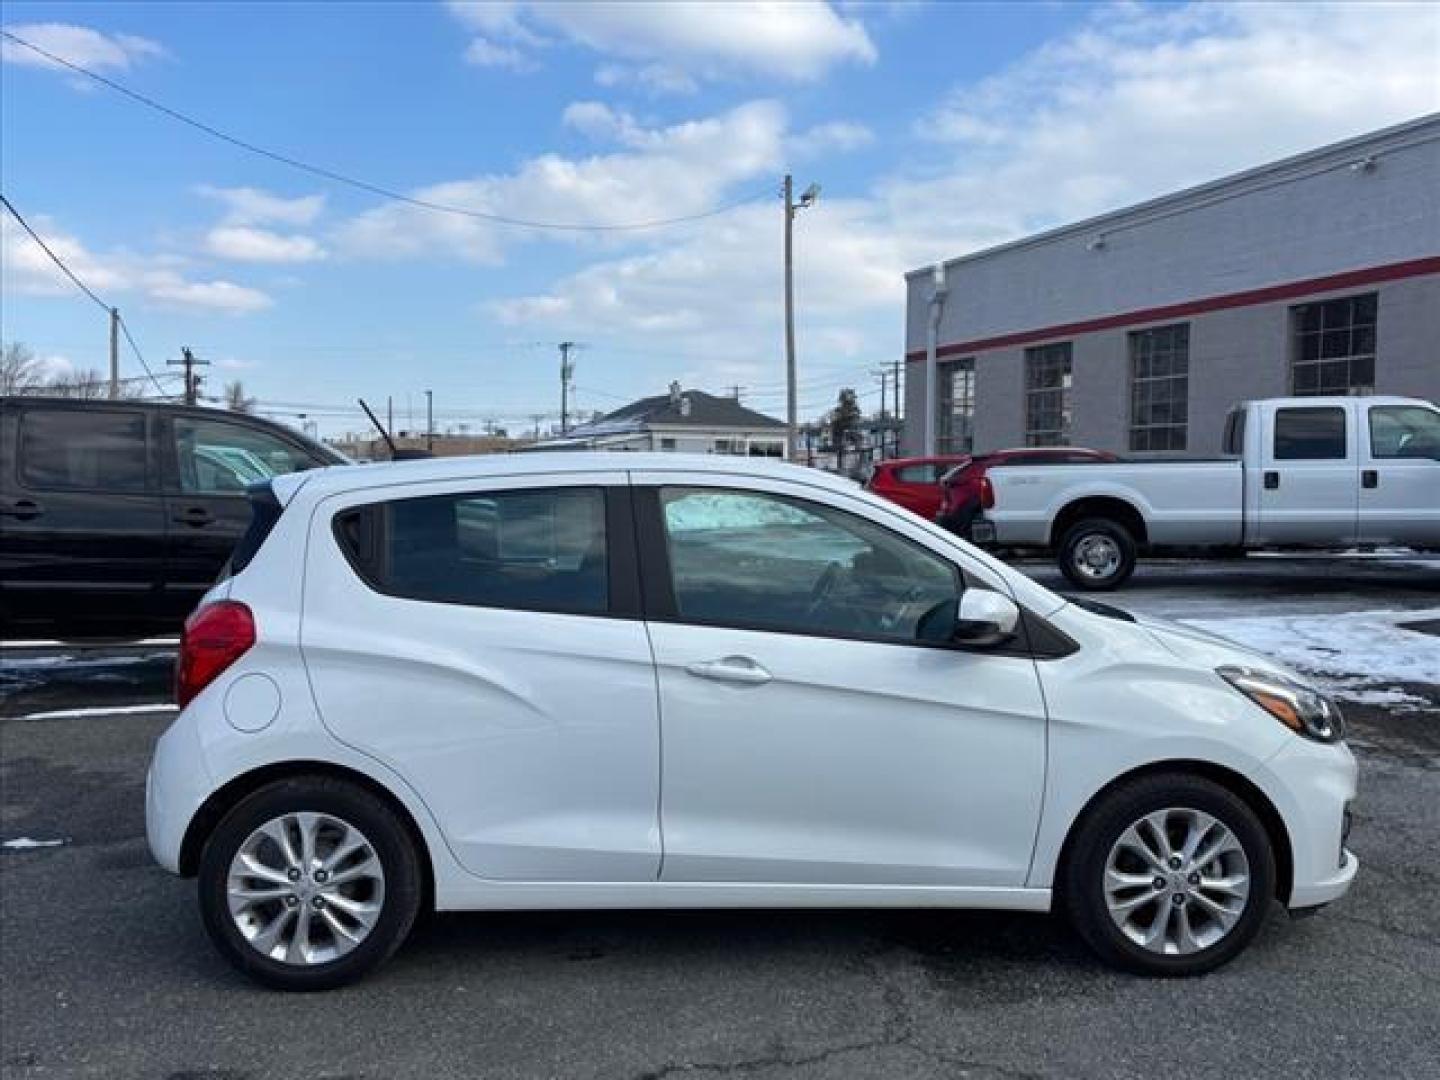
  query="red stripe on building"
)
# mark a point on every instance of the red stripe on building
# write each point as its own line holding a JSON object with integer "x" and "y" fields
{"x": 1348, "y": 280}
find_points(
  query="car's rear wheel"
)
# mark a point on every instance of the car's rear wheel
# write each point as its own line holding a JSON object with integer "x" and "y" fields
{"x": 309, "y": 883}
{"x": 1097, "y": 554}
{"x": 1169, "y": 875}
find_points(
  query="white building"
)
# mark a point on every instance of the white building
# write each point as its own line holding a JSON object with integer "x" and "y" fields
{"x": 689, "y": 421}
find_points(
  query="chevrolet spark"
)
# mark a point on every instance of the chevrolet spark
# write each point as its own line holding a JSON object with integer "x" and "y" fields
{"x": 646, "y": 681}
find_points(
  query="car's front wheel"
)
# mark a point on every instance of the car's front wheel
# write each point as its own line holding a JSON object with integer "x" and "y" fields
{"x": 1169, "y": 875}
{"x": 309, "y": 883}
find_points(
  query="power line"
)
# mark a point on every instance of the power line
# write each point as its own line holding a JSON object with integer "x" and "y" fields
{"x": 53, "y": 257}
{"x": 366, "y": 185}
{"x": 83, "y": 288}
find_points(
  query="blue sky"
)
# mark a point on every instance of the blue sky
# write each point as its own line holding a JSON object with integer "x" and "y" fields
{"x": 933, "y": 128}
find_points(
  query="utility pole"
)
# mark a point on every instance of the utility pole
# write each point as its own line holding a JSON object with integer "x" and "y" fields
{"x": 884, "y": 377}
{"x": 114, "y": 352}
{"x": 390, "y": 415}
{"x": 735, "y": 391}
{"x": 192, "y": 380}
{"x": 567, "y": 371}
{"x": 792, "y": 442}
{"x": 430, "y": 421}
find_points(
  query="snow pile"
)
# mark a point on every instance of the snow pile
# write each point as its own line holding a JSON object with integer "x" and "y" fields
{"x": 1358, "y": 656}
{"x": 24, "y": 843}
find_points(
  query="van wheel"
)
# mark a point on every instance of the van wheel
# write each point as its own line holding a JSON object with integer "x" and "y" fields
{"x": 1168, "y": 875}
{"x": 309, "y": 883}
{"x": 1097, "y": 554}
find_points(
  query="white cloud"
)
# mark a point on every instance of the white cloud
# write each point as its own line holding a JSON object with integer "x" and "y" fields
{"x": 840, "y": 136}
{"x": 668, "y": 46}
{"x": 244, "y": 243}
{"x": 78, "y": 44}
{"x": 658, "y": 172}
{"x": 27, "y": 271}
{"x": 249, "y": 206}
{"x": 483, "y": 52}
{"x": 1138, "y": 102}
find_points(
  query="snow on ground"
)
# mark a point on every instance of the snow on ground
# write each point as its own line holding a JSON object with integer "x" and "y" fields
{"x": 25, "y": 843}
{"x": 1358, "y": 656}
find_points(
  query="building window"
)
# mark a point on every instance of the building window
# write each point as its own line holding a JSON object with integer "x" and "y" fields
{"x": 1047, "y": 395}
{"x": 1159, "y": 387}
{"x": 667, "y": 444}
{"x": 955, "y": 431}
{"x": 1334, "y": 350}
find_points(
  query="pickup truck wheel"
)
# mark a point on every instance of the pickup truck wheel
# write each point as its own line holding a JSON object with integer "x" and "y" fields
{"x": 1097, "y": 554}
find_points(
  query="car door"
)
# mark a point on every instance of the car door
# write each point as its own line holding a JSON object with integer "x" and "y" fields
{"x": 1308, "y": 491}
{"x": 1400, "y": 475}
{"x": 208, "y": 465}
{"x": 484, "y": 640}
{"x": 82, "y": 526}
{"x": 808, "y": 737}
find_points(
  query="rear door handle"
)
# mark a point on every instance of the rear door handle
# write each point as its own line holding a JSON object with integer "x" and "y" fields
{"x": 736, "y": 669}
{"x": 1272, "y": 480}
{"x": 194, "y": 515}
{"x": 1370, "y": 478}
{"x": 23, "y": 509}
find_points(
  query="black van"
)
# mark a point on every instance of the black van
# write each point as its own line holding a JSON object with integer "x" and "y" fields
{"x": 116, "y": 516}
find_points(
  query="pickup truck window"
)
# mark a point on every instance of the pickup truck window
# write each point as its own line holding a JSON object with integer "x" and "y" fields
{"x": 1404, "y": 431}
{"x": 90, "y": 450}
{"x": 1235, "y": 433}
{"x": 1312, "y": 434}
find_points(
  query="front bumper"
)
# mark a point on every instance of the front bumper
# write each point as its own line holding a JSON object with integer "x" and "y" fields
{"x": 1313, "y": 788}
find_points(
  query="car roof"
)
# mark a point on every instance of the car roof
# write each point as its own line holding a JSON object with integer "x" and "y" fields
{"x": 345, "y": 478}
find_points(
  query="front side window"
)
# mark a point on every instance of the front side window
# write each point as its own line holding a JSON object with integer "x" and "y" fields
{"x": 1334, "y": 347}
{"x": 1047, "y": 395}
{"x": 1159, "y": 387}
{"x": 768, "y": 562}
{"x": 956, "y": 429}
{"x": 1404, "y": 431}
{"x": 1310, "y": 434}
{"x": 215, "y": 457}
{"x": 535, "y": 550}
{"x": 89, "y": 450}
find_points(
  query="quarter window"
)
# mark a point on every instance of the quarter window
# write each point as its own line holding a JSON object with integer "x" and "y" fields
{"x": 1404, "y": 431}
{"x": 1334, "y": 350}
{"x": 217, "y": 458}
{"x": 1310, "y": 434}
{"x": 769, "y": 562}
{"x": 1159, "y": 387}
{"x": 89, "y": 450}
{"x": 534, "y": 550}
{"x": 1047, "y": 395}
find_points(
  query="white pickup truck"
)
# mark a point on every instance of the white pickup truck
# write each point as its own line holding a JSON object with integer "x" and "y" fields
{"x": 1299, "y": 473}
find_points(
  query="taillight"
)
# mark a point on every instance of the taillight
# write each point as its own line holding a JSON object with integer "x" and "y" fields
{"x": 987, "y": 493}
{"x": 214, "y": 638}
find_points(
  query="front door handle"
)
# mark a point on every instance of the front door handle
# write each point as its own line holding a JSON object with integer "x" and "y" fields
{"x": 736, "y": 669}
{"x": 1272, "y": 480}
{"x": 194, "y": 515}
{"x": 23, "y": 509}
{"x": 1370, "y": 478}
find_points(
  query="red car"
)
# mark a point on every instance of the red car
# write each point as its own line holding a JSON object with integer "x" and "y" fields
{"x": 964, "y": 490}
{"x": 914, "y": 482}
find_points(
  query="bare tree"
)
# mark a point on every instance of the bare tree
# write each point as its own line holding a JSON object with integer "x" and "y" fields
{"x": 20, "y": 371}
{"x": 235, "y": 399}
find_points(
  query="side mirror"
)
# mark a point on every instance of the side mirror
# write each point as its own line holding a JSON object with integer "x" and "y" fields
{"x": 984, "y": 619}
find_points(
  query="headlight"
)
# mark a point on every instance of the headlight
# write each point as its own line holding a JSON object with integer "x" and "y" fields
{"x": 1303, "y": 709}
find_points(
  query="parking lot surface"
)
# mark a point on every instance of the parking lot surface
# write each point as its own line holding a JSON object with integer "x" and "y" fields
{"x": 106, "y": 971}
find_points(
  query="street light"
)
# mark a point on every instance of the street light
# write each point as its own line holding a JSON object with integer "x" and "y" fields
{"x": 807, "y": 199}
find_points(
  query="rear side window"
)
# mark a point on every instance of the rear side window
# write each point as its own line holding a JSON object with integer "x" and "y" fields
{"x": 75, "y": 450}
{"x": 918, "y": 474}
{"x": 1310, "y": 434}
{"x": 534, "y": 550}
{"x": 1234, "y": 442}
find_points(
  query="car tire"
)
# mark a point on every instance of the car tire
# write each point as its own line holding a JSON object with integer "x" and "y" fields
{"x": 1116, "y": 914}
{"x": 1097, "y": 554}
{"x": 357, "y": 908}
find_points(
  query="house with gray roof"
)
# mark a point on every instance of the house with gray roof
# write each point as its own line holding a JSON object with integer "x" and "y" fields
{"x": 687, "y": 421}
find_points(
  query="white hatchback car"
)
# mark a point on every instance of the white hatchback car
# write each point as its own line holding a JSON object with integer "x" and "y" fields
{"x": 631, "y": 681}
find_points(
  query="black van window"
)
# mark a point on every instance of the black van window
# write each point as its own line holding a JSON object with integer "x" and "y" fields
{"x": 82, "y": 450}
{"x": 215, "y": 457}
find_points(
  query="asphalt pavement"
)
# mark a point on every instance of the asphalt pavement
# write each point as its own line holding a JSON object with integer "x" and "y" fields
{"x": 107, "y": 973}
